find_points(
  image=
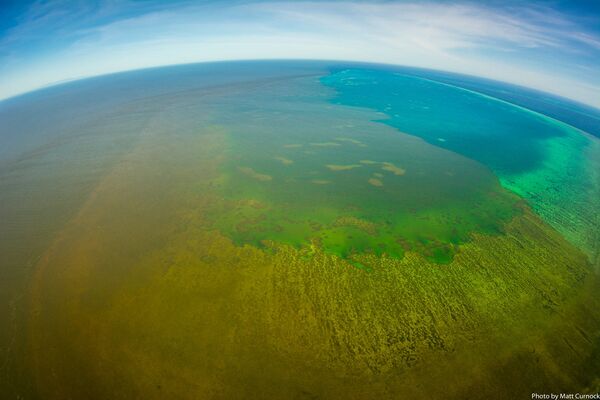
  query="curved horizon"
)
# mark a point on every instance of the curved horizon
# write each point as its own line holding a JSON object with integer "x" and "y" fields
{"x": 333, "y": 61}
{"x": 553, "y": 47}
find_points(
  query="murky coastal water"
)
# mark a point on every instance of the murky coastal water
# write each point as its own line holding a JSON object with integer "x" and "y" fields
{"x": 293, "y": 230}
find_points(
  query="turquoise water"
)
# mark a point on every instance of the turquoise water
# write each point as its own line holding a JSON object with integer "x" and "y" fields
{"x": 551, "y": 164}
{"x": 581, "y": 116}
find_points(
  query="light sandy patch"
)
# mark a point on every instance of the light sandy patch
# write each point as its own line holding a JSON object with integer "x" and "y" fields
{"x": 284, "y": 161}
{"x": 368, "y": 162}
{"x": 334, "y": 167}
{"x": 378, "y": 175}
{"x": 387, "y": 166}
{"x": 255, "y": 175}
{"x": 375, "y": 182}
{"x": 320, "y": 182}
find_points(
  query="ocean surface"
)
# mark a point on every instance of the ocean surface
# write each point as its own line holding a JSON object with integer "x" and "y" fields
{"x": 297, "y": 229}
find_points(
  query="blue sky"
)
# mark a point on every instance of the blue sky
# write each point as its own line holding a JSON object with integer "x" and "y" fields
{"x": 549, "y": 45}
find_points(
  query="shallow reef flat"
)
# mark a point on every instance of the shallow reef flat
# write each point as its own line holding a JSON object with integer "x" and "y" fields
{"x": 565, "y": 191}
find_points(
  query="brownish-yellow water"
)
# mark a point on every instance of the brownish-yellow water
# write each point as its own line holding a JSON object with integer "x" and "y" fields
{"x": 139, "y": 299}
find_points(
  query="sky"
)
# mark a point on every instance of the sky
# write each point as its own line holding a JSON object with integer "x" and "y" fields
{"x": 552, "y": 46}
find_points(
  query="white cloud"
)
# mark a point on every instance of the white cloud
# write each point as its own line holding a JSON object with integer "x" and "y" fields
{"x": 462, "y": 38}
